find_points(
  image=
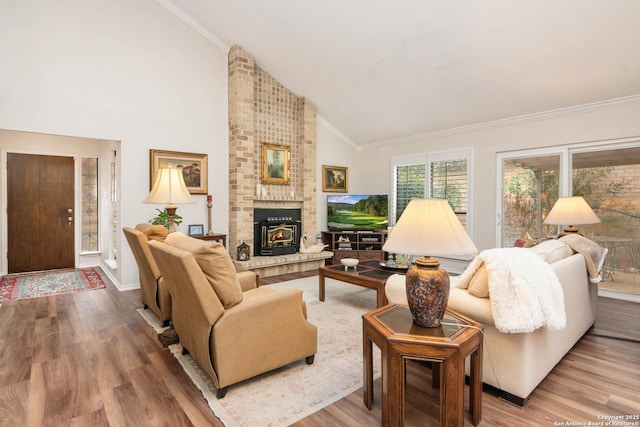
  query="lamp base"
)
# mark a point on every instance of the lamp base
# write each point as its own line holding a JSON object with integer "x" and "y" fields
{"x": 570, "y": 230}
{"x": 427, "y": 292}
{"x": 171, "y": 212}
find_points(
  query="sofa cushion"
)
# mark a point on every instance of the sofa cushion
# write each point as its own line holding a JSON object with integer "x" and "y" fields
{"x": 526, "y": 241}
{"x": 142, "y": 226}
{"x": 153, "y": 232}
{"x": 215, "y": 263}
{"x": 552, "y": 250}
{"x": 479, "y": 283}
{"x": 157, "y": 232}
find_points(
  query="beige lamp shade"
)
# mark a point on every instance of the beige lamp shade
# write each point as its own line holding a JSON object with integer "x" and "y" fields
{"x": 169, "y": 188}
{"x": 571, "y": 211}
{"x": 429, "y": 227}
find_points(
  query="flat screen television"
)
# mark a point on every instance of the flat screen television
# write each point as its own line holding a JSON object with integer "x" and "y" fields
{"x": 361, "y": 212}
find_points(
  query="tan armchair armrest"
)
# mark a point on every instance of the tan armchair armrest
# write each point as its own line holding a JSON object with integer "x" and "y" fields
{"x": 264, "y": 305}
{"x": 248, "y": 280}
{"x": 271, "y": 324}
{"x": 239, "y": 267}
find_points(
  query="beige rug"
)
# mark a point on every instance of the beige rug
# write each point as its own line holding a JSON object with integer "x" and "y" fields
{"x": 288, "y": 394}
{"x": 152, "y": 319}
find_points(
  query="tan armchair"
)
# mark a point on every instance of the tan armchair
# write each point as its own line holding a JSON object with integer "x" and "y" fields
{"x": 153, "y": 292}
{"x": 232, "y": 334}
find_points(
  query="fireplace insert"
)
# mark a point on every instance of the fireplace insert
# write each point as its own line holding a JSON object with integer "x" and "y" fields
{"x": 276, "y": 231}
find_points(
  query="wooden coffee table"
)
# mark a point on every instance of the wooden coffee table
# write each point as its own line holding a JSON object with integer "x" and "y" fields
{"x": 368, "y": 274}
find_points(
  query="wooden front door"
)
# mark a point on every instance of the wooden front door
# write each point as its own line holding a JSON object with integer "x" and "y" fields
{"x": 40, "y": 212}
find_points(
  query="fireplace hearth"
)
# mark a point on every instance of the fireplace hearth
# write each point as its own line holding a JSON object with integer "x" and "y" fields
{"x": 276, "y": 231}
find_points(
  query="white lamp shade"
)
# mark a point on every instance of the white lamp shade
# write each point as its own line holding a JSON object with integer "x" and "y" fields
{"x": 169, "y": 188}
{"x": 429, "y": 227}
{"x": 571, "y": 211}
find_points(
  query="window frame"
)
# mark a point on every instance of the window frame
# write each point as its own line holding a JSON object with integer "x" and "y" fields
{"x": 427, "y": 159}
{"x": 565, "y": 173}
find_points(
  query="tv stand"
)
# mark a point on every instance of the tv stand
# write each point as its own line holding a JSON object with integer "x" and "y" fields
{"x": 363, "y": 245}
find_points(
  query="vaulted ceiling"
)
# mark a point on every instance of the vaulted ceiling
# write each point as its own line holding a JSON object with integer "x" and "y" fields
{"x": 383, "y": 70}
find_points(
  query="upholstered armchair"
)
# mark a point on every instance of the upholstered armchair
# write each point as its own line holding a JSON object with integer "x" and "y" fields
{"x": 233, "y": 334}
{"x": 153, "y": 292}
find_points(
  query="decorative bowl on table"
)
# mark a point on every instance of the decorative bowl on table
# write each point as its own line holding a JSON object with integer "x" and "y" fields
{"x": 349, "y": 262}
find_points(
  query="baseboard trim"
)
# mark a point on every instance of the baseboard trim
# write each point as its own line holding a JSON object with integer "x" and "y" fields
{"x": 608, "y": 293}
{"x": 505, "y": 396}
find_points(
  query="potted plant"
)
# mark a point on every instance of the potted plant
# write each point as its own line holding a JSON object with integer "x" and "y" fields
{"x": 163, "y": 219}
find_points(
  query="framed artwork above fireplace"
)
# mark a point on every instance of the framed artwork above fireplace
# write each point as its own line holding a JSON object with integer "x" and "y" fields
{"x": 275, "y": 164}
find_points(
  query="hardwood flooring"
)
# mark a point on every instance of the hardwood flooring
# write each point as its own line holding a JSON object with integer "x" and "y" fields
{"x": 88, "y": 359}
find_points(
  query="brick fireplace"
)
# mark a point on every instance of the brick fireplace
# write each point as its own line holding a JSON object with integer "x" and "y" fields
{"x": 261, "y": 110}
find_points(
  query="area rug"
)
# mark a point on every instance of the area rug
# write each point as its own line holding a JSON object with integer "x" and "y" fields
{"x": 46, "y": 283}
{"x": 288, "y": 394}
{"x": 152, "y": 319}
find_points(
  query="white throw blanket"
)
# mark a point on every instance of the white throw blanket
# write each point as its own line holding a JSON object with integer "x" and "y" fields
{"x": 525, "y": 293}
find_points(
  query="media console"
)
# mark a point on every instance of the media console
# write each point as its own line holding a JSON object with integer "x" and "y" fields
{"x": 363, "y": 245}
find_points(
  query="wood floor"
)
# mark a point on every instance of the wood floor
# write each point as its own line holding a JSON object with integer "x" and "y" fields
{"x": 88, "y": 359}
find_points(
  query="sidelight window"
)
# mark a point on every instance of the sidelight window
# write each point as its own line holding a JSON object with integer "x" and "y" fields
{"x": 89, "y": 216}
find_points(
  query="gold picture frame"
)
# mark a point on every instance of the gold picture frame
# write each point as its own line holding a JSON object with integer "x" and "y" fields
{"x": 275, "y": 164}
{"x": 335, "y": 179}
{"x": 195, "y": 168}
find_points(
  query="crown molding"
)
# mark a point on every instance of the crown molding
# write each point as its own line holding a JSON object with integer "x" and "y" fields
{"x": 527, "y": 118}
{"x": 344, "y": 138}
{"x": 189, "y": 20}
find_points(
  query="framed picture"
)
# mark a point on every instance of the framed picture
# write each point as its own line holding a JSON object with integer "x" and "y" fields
{"x": 275, "y": 164}
{"x": 195, "y": 169}
{"x": 196, "y": 230}
{"x": 335, "y": 179}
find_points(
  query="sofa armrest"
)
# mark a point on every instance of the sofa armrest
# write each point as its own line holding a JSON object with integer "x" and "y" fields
{"x": 479, "y": 309}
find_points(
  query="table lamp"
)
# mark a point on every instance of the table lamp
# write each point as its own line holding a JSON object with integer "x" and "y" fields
{"x": 572, "y": 211}
{"x": 426, "y": 228}
{"x": 169, "y": 188}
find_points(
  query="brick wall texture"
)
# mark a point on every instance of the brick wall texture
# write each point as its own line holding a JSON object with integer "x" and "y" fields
{"x": 261, "y": 110}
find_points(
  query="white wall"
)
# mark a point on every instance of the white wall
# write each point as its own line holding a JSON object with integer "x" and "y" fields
{"x": 332, "y": 150}
{"x": 121, "y": 70}
{"x": 130, "y": 71}
{"x": 605, "y": 121}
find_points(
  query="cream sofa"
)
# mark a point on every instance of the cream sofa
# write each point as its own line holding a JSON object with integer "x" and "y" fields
{"x": 515, "y": 363}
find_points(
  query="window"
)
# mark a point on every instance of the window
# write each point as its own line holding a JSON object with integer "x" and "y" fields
{"x": 530, "y": 188}
{"x": 409, "y": 183}
{"x": 449, "y": 181}
{"x": 606, "y": 175}
{"x": 89, "y": 204}
{"x": 438, "y": 176}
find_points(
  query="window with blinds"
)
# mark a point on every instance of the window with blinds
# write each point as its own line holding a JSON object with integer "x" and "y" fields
{"x": 438, "y": 179}
{"x": 449, "y": 181}
{"x": 409, "y": 183}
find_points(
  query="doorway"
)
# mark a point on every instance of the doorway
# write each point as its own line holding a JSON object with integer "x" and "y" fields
{"x": 40, "y": 212}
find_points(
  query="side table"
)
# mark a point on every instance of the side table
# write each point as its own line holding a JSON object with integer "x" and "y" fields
{"x": 220, "y": 238}
{"x": 391, "y": 328}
